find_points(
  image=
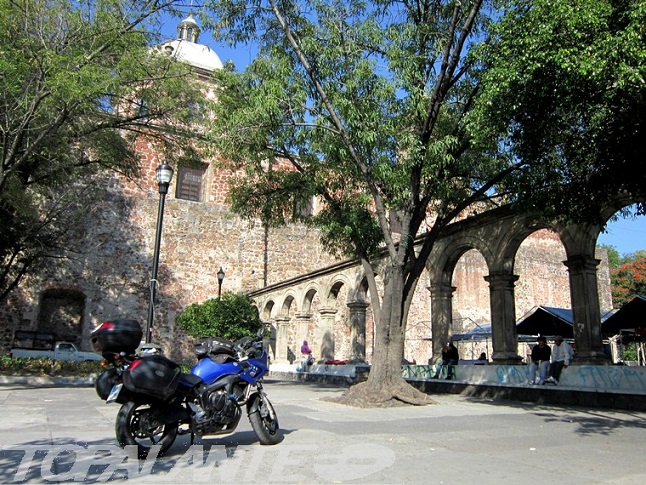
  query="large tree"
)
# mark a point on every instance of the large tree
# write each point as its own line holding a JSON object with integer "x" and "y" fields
{"x": 78, "y": 84}
{"x": 369, "y": 106}
{"x": 361, "y": 104}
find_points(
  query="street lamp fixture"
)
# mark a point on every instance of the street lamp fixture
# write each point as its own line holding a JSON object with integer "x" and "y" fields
{"x": 164, "y": 176}
{"x": 220, "y": 280}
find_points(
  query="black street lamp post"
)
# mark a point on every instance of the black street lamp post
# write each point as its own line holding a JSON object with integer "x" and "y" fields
{"x": 220, "y": 280}
{"x": 164, "y": 176}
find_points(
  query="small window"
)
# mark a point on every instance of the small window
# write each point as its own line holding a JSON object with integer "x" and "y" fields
{"x": 190, "y": 183}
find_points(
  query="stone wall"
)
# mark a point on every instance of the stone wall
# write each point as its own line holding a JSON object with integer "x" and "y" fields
{"x": 113, "y": 264}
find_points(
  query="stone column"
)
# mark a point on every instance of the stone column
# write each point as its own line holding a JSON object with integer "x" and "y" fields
{"x": 357, "y": 331}
{"x": 281, "y": 338}
{"x": 586, "y": 310}
{"x": 441, "y": 316}
{"x": 503, "y": 318}
{"x": 325, "y": 338}
{"x": 302, "y": 330}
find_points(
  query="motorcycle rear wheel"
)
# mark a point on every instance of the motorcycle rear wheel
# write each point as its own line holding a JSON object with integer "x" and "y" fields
{"x": 264, "y": 422}
{"x": 134, "y": 427}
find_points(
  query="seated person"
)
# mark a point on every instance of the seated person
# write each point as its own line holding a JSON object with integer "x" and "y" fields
{"x": 482, "y": 359}
{"x": 450, "y": 358}
{"x": 540, "y": 361}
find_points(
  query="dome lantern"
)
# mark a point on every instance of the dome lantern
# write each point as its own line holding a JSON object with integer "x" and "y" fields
{"x": 188, "y": 30}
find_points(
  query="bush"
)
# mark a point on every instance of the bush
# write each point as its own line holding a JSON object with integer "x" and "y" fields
{"x": 630, "y": 352}
{"x": 232, "y": 317}
{"x": 48, "y": 367}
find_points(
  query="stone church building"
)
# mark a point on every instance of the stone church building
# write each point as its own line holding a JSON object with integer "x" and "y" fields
{"x": 201, "y": 235}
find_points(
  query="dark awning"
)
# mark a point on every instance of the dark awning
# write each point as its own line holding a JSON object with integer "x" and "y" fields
{"x": 546, "y": 321}
{"x": 629, "y": 317}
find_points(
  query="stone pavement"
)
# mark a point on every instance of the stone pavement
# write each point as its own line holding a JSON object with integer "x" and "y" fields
{"x": 52, "y": 434}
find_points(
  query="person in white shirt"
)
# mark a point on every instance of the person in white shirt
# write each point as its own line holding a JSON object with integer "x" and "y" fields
{"x": 561, "y": 357}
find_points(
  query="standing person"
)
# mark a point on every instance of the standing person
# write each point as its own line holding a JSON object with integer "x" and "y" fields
{"x": 450, "y": 358}
{"x": 306, "y": 354}
{"x": 540, "y": 360}
{"x": 561, "y": 357}
{"x": 290, "y": 356}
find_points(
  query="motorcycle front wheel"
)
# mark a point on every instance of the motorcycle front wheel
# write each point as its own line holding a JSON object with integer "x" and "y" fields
{"x": 136, "y": 425}
{"x": 264, "y": 421}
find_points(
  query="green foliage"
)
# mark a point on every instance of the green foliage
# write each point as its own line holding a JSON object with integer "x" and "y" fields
{"x": 48, "y": 367}
{"x": 614, "y": 259}
{"x": 345, "y": 102}
{"x": 78, "y": 84}
{"x": 562, "y": 89}
{"x": 630, "y": 352}
{"x": 232, "y": 317}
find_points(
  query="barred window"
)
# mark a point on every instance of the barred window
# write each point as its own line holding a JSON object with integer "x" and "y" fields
{"x": 190, "y": 183}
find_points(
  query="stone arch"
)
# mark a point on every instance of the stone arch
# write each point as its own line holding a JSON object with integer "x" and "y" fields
{"x": 289, "y": 300}
{"x": 519, "y": 230}
{"x": 282, "y": 321}
{"x": 337, "y": 282}
{"x": 442, "y": 262}
{"x": 267, "y": 309}
{"x": 542, "y": 275}
{"x": 308, "y": 297}
{"x": 441, "y": 266}
{"x": 307, "y": 318}
{"x": 330, "y": 314}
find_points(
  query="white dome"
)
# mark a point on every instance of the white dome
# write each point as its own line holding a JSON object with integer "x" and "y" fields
{"x": 197, "y": 55}
{"x": 186, "y": 49}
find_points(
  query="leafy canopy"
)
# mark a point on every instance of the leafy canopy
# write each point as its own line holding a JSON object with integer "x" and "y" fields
{"x": 359, "y": 103}
{"x": 563, "y": 85}
{"x": 78, "y": 84}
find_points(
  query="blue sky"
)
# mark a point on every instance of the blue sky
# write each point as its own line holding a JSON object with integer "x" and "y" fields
{"x": 626, "y": 235}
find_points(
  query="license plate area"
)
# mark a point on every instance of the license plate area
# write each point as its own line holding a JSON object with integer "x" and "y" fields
{"x": 114, "y": 393}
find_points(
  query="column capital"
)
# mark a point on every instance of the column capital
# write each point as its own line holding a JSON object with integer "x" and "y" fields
{"x": 282, "y": 320}
{"x": 500, "y": 279}
{"x": 327, "y": 311}
{"x": 582, "y": 263}
{"x": 441, "y": 288}
{"x": 358, "y": 305}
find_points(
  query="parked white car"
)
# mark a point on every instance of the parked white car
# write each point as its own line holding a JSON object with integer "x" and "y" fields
{"x": 61, "y": 351}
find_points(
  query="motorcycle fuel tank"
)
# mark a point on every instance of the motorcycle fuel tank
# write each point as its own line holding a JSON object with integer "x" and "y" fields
{"x": 211, "y": 371}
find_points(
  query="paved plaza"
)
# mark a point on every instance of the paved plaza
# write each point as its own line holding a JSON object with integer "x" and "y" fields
{"x": 54, "y": 434}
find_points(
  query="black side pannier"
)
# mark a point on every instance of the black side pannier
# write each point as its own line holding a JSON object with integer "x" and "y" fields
{"x": 215, "y": 346}
{"x": 106, "y": 381}
{"x": 154, "y": 375}
{"x": 117, "y": 336}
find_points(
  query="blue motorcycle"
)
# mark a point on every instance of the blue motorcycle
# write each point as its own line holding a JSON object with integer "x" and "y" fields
{"x": 158, "y": 401}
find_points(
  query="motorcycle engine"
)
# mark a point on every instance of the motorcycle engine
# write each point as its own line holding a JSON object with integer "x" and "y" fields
{"x": 217, "y": 401}
{"x": 216, "y": 412}
{"x": 221, "y": 408}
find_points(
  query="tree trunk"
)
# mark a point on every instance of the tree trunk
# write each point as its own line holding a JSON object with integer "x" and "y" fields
{"x": 385, "y": 386}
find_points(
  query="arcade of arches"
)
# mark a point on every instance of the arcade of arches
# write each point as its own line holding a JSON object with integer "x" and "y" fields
{"x": 330, "y": 307}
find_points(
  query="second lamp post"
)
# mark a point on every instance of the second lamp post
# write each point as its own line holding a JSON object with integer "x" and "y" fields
{"x": 220, "y": 280}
